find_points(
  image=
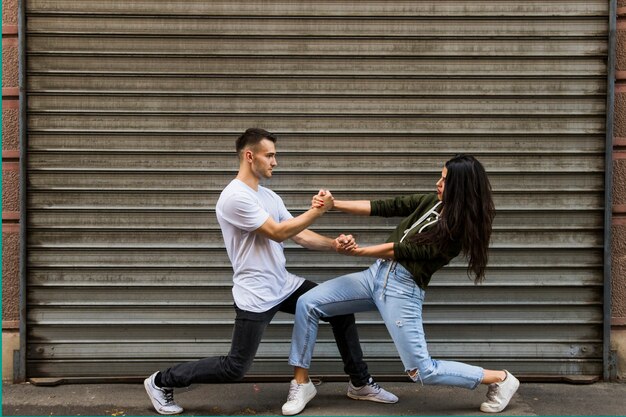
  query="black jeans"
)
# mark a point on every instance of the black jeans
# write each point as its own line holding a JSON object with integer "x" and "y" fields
{"x": 247, "y": 334}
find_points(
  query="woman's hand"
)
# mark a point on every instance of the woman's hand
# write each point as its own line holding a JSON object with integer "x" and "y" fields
{"x": 345, "y": 244}
{"x": 323, "y": 200}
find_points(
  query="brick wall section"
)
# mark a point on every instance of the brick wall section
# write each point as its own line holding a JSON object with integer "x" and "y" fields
{"x": 10, "y": 278}
{"x": 618, "y": 229}
{"x": 9, "y": 12}
{"x": 10, "y": 128}
{"x": 9, "y": 60}
{"x": 10, "y": 166}
{"x": 618, "y": 267}
{"x": 619, "y": 124}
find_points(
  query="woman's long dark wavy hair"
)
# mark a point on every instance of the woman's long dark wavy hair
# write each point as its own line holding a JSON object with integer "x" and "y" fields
{"x": 467, "y": 213}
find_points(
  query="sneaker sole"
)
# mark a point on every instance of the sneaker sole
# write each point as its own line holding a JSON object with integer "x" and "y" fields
{"x": 155, "y": 403}
{"x": 293, "y": 413}
{"x": 373, "y": 399}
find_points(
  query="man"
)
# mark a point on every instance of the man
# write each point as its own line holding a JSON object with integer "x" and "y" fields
{"x": 254, "y": 223}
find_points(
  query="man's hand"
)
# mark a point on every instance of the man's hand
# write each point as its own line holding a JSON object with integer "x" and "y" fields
{"x": 345, "y": 244}
{"x": 323, "y": 200}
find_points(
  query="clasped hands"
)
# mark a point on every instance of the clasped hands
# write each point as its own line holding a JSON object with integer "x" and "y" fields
{"x": 323, "y": 200}
{"x": 344, "y": 244}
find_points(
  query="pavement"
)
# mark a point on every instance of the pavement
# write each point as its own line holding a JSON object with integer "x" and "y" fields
{"x": 266, "y": 398}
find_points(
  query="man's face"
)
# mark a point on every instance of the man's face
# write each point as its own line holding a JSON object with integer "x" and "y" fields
{"x": 264, "y": 158}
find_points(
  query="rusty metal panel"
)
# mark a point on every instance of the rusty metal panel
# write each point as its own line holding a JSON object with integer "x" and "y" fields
{"x": 365, "y": 105}
{"x": 317, "y": 26}
{"x": 316, "y": 86}
{"x": 389, "y": 47}
{"x": 297, "y": 66}
{"x": 414, "y": 124}
{"x": 133, "y": 111}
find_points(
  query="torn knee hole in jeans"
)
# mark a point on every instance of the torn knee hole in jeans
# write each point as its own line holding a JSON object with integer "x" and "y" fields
{"x": 414, "y": 374}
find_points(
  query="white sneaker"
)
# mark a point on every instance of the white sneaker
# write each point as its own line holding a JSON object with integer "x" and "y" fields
{"x": 162, "y": 398}
{"x": 371, "y": 392}
{"x": 499, "y": 394}
{"x": 299, "y": 396}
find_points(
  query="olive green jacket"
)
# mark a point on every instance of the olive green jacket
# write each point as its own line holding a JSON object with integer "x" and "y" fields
{"x": 422, "y": 261}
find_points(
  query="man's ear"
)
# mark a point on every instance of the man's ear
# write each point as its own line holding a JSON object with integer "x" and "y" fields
{"x": 247, "y": 155}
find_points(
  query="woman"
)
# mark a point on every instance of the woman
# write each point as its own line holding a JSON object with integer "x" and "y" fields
{"x": 437, "y": 227}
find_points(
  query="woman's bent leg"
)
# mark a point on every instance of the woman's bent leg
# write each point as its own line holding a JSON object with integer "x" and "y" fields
{"x": 400, "y": 304}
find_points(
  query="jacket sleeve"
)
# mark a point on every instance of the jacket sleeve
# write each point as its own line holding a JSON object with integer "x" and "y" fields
{"x": 422, "y": 252}
{"x": 396, "y": 207}
{"x": 414, "y": 251}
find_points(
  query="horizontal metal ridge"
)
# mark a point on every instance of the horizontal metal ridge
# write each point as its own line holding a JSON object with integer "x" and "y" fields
{"x": 297, "y": 76}
{"x": 321, "y": 8}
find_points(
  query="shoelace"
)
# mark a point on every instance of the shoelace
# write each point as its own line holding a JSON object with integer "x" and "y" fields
{"x": 374, "y": 385}
{"x": 492, "y": 392}
{"x": 293, "y": 391}
{"x": 169, "y": 396}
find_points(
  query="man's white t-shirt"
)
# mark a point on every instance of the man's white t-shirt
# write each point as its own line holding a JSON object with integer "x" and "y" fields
{"x": 260, "y": 279}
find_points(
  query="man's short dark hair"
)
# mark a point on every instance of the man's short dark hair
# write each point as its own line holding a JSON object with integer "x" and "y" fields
{"x": 252, "y": 137}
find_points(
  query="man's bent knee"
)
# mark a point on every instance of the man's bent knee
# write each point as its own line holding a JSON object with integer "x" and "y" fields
{"x": 233, "y": 371}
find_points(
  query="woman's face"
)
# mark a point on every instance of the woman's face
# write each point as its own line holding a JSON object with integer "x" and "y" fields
{"x": 441, "y": 184}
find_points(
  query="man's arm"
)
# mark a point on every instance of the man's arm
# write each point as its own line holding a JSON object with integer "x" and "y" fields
{"x": 314, "y": 241}
{"x": 282, "y": 231}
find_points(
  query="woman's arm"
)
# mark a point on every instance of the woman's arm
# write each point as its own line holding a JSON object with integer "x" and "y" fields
{"x": 384, "y": 251}
{"x": 397, "y": 251}
{"x": 358, "y": 207}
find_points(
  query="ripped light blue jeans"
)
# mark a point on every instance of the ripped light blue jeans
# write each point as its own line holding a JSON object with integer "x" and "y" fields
{"x": 388, "y": 287}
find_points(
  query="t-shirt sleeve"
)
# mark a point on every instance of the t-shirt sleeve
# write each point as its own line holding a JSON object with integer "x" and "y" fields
{"x": 244, "y": 212}
{"x": 283, "y": 213}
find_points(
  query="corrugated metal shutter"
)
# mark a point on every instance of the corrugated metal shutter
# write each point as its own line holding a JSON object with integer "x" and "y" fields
{"x": 133, "y": 109}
